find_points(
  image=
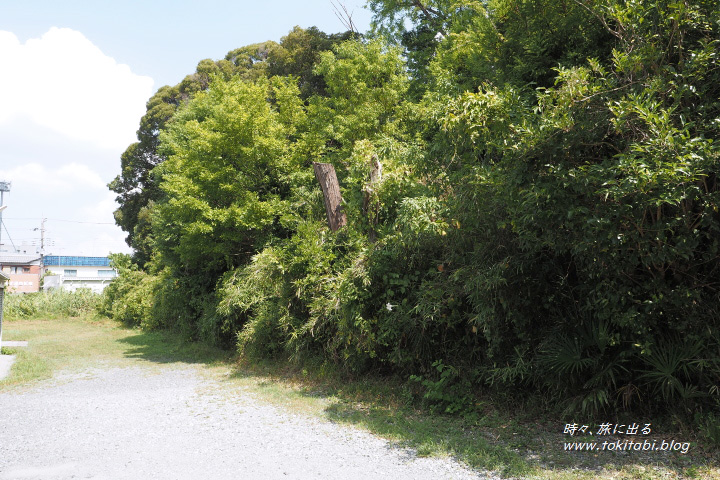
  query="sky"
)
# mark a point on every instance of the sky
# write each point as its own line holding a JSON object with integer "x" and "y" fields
{"x": 74, "y": 79}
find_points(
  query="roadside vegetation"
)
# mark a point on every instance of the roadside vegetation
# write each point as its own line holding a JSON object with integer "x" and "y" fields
{"x": 532, "y": 203}
{"x": 56, "y": 303}
{"x": 531, "y": 193}
{"x": 512, "y": 441}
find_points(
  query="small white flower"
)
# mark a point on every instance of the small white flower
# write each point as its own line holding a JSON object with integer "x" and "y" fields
{"x": 389, "y": 307}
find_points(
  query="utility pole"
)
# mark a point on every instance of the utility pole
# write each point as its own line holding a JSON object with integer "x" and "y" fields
{"x": 42, "y": 253}
{"x": 42, "y": 236}
{"x": 4, "y": 187}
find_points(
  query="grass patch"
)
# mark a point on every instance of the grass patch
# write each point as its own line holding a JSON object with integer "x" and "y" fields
{"x": 513, "y": 444}
{"x": 383, "y": 407}
{"x": 78, "y": 343}
{"x": 27, "y": 367}
{"x": 166, "y": 347}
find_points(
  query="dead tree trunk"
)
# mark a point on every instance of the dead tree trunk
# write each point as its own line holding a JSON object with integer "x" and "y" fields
{"x": 325, "y": 174}
{"x": 371, "y": 205}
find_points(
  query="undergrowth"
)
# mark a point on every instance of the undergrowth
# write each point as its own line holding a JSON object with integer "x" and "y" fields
{"x": 56, "y": 303}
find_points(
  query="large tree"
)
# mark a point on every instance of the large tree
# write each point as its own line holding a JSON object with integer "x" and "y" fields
{"x": 224, "y": 179}
{"x": 497, "y": 41}
{"x": 136, "y": 187}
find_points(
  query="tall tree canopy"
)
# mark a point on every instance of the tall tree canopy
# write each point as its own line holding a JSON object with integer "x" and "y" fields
{"x": 531, "y": 189}
{"x": 137, "y": 189}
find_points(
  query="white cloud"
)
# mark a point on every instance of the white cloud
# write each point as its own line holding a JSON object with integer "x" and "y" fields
{"x": 72, "y": 177}
{"x": 64, "y": 82}
{"x": 75, "y": 202}
{"x": 102, "y": 243}
{"x": 102, "y": 210}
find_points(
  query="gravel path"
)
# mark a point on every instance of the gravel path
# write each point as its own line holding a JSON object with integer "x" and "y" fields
{"x": 175, "y": 423}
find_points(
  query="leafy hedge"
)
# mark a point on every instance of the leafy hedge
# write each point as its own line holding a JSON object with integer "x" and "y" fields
{"x": 546, "y": 218}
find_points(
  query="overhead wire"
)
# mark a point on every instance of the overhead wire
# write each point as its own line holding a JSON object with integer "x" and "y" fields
{"x": 62, "y": 220}
{"x": 8, "y": 234}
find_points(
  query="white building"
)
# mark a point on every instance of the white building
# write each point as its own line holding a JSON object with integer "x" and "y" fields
{"x": 72, "y": 273}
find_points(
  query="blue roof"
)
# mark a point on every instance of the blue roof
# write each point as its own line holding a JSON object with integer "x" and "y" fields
{"x": 76, "y": 261}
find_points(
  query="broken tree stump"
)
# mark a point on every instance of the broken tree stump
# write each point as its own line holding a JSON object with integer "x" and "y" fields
{"x": 325, "y": 174}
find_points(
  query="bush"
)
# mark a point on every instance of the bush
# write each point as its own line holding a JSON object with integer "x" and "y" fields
{"x": 56, "y": 303}
{"x": 129, "y": 298}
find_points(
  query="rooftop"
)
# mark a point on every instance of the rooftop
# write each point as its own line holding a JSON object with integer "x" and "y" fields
{"x": 65, "y": 261}
{"x": 19, "y": 258}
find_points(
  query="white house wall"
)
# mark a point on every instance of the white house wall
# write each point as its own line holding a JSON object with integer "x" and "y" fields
{"x": 87, "y": 277}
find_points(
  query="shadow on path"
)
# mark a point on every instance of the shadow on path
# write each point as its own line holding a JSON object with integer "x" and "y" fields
{"x": 494, "y": 440}
{"x": 167, "y": 347}
{"x": 498, "y": 442}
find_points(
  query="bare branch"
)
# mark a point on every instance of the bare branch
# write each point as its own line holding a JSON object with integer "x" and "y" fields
{"x": 344, "y": 16}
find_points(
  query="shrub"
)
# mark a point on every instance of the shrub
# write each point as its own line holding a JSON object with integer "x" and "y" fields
{"x": 129, "y": 298}
{"x": 51, "y": 304}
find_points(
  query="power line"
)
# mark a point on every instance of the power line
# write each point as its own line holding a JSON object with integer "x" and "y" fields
{"x": 61, "y": 220}
{"x": 8, "y": 234}
{"x": 78, "y": 221}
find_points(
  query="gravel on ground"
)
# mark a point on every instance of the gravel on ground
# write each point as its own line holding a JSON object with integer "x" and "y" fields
{"x": 178, "y": 423}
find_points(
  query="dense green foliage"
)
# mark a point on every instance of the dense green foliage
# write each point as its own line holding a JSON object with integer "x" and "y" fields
{"x": 546, "y": 217}
{"x": 137, "y": 187}
{"x": 129, "y": 298}
{"x": 56, "y": 303}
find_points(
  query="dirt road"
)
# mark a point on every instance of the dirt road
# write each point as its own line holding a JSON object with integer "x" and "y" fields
{"x": 177, "y": 423}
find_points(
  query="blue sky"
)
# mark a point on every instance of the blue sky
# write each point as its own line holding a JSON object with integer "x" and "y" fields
{"x": 76, "y": 76}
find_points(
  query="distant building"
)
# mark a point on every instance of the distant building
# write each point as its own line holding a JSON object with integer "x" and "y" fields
{"x": 23, "y": 270}
{"x": 3, "y": 281}
{"x": 72, "y": 273}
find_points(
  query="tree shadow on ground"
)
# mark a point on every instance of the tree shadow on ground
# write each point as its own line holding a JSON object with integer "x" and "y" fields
{"x": 168, "y": 347}
{"x": 432, "y": 435}
{"x": 510, "y": 445}
{"x": 513, "y": 450}
{"x": 381, "y": 407}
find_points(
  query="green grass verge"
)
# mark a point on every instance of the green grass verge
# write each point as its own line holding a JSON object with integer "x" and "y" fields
{"x": 512, "y": 444}
{"x": 506, "y": 442}
{"x": 91, "y": 342}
